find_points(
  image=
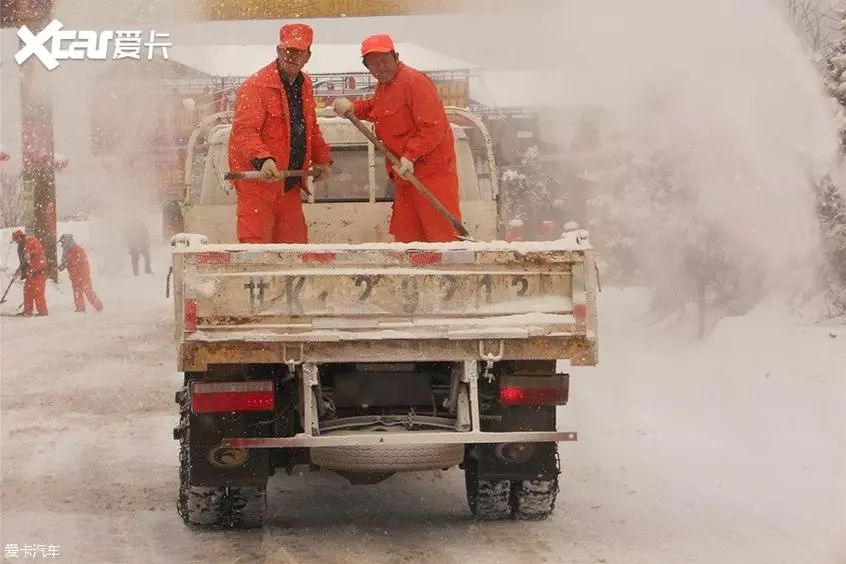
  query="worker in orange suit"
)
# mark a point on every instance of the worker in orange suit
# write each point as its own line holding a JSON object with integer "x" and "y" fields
{"x": 275, "y": 129}
{"x": 33, "y": 267}
{"x": 411, "y": 122}
{"x": 516, "y": 231}
{"x": 75, "y": 260}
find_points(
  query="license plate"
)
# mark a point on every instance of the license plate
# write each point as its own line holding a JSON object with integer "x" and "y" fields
{"x": 375, "y": 294}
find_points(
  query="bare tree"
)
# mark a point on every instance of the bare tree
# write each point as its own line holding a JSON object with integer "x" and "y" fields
{"x": 817, "y": 23}
{"x": 820, "y": 25}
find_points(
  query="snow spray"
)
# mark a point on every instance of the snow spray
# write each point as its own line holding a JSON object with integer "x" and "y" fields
{"x": 715, "y": 103}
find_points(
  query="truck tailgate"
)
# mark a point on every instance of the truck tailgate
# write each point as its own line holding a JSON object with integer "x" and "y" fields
{"x": 340, "y": 303}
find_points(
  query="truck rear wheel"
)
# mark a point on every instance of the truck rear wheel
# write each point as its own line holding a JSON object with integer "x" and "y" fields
{"x": 534, "y": 500}
{"x": 512, "y": 490}
{"x": 219, "y": 508}
{"x": 242, "y": 507}
{"x": 246, "y": 506}
{"x": 489, "y": 500}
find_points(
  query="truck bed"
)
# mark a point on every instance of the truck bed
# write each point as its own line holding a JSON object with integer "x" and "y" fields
{"x": 384, "y": 301}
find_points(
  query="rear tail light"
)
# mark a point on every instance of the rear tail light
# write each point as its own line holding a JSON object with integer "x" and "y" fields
{"x": 216, "y": 397}
{"x": 546, "y": 390}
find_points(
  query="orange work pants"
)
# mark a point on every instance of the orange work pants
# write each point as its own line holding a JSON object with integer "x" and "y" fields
{"x": 82, "y": 288}
{"x": 270, "y": 215}
{"x": 415, "y": 219}
{"x": 34, "y": 294}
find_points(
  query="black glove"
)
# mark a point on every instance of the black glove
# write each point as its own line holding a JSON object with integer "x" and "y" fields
{"x": 258, "y": 163}
{"x": 24, "y": 270}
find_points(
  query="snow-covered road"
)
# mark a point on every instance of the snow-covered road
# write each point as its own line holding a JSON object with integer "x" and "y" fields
{"x": 732, "y": 449}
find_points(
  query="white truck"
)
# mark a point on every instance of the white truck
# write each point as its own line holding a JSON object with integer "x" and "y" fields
{"x": 366, "y": 357}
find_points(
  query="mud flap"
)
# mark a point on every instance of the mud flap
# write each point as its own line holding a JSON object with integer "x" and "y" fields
{"x": 541, "y": 465}
{"x": 539, "y": 460}
{"x": 212, "y": 465}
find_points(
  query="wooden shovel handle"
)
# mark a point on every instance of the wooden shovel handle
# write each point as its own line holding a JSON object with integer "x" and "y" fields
{"x": 258, "y": 175}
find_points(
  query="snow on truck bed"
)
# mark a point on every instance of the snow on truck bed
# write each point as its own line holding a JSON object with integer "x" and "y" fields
{"x": 574, "y": 241}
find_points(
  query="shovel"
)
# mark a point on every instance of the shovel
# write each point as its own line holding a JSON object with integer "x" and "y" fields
{"x": 9, "y": 287}
{"x": 463, "y": 233}
{"x": 259, "y": 175}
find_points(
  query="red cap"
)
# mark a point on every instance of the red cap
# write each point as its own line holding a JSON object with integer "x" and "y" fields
{"x": 379, "y": 43}
{"x": 17, "y": 235}
{"x": 296, "y": 36}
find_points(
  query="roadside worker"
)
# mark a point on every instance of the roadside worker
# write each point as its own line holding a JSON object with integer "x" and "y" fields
{"x": 411, "y": 122}
{"x": 275, "y": 129}
{"x": 516, "y": 231}
{"x": 75, "y": 260}
{"x": 33, "y": 263}
{"x": 548, "y": 230}
{"x": 138, "y": 243}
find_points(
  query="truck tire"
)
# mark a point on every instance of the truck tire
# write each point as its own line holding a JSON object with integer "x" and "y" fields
{"x": 489, "y": 500}
{"x": 241, "y": 507}
{"x": 534, "y": 500}
{"x": 201, "y": 506}
{"x": 247, "y": 506}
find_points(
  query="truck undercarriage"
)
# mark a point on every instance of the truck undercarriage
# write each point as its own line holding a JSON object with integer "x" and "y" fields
{"x": 367, "y": 421}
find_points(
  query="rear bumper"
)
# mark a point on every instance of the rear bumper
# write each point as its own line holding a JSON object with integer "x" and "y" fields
{"x": 415, "y": 438}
